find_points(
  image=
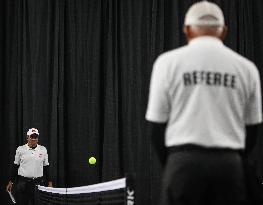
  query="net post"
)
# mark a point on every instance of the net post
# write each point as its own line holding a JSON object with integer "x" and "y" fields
{"x": 130, "y": 189}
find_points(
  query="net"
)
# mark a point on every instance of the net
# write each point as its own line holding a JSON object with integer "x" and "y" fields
{"x": 116, "y": 192}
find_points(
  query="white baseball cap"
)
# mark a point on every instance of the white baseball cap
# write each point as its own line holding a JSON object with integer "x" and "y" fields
{"x": 32, "y": 131}
{"x": 204, "y": 13}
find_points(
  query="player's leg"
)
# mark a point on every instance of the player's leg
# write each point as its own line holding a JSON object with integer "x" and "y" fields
{"x": 22, "y": 197}
{"x": 20, "y": 191}
{"x": 184, "y": 180}
{"x": 229, "y": 180}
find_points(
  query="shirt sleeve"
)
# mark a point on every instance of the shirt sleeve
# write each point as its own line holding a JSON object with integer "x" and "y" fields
{"x": 253, "y": 114}
{"x": 17, "y": 156}
{"x": 158, "y": 105}
{"x": 46, "y": 163}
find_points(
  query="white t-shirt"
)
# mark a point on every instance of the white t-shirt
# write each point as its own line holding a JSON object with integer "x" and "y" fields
{"x": 31, "y": 161}
{"x": 206, "y": 93}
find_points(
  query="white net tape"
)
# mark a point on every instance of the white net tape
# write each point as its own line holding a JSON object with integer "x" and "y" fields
{"x": 105, "y": 186}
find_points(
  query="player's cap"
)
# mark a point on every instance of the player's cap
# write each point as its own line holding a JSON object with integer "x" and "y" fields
{"x": 32, "y": 131}
{"x": 204, "y": 13}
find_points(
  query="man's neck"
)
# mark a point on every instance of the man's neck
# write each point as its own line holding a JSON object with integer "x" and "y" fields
{"x": 32, "y": 146}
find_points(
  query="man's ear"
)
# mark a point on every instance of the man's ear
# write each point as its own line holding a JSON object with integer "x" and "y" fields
{"x": 187, "y": 32}
{"x": 224, "y": 33}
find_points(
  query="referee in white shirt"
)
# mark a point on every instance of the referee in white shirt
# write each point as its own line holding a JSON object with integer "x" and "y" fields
{"x": 205, "y": 101}
{"x": 31, "y": 168}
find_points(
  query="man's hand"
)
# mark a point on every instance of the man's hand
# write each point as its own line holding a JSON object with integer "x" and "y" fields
{"x": 50, "y": 184}
{"x": 9, "y": 186}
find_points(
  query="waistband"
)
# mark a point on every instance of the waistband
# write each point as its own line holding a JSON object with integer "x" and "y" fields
{"x": 30, "y": 179}
{"x": 199, "y": 148}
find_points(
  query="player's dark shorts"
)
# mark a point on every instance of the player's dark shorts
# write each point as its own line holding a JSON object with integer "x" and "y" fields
{"x": 25, "y": 189}
{"x": 199, "y": 176}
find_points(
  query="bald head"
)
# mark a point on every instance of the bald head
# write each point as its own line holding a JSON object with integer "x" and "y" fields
{"x": 192, "y": 32}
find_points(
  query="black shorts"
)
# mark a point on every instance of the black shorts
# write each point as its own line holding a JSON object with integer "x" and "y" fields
{"x": 25, "y": 189}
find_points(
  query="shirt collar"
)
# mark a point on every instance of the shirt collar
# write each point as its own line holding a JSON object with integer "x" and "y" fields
{"x": 28, "y": 148}
{"x": 205, "y": 39}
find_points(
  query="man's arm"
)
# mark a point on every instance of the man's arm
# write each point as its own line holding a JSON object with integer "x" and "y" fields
{"x": 251, "y": 138}
{"x": 14, "y": 173}
{"x": 47, "y": 176}
{"x": 13, "y": 177}
{"x": 157, "y": 131}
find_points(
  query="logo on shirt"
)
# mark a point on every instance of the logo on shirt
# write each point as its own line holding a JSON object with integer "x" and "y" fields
{"x": 209, "y": 78}
{"x": 40, "y": 155}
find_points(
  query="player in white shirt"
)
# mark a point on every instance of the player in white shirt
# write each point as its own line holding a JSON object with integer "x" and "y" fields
{"x": 31, "y": 167}
{"x": 203, "y": 95}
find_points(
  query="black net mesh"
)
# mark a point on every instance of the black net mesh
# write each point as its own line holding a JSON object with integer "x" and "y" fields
{"x": 113, "y": 193}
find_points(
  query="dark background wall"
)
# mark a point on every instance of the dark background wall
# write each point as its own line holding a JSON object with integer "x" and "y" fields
{"x": 79, "y": 71}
